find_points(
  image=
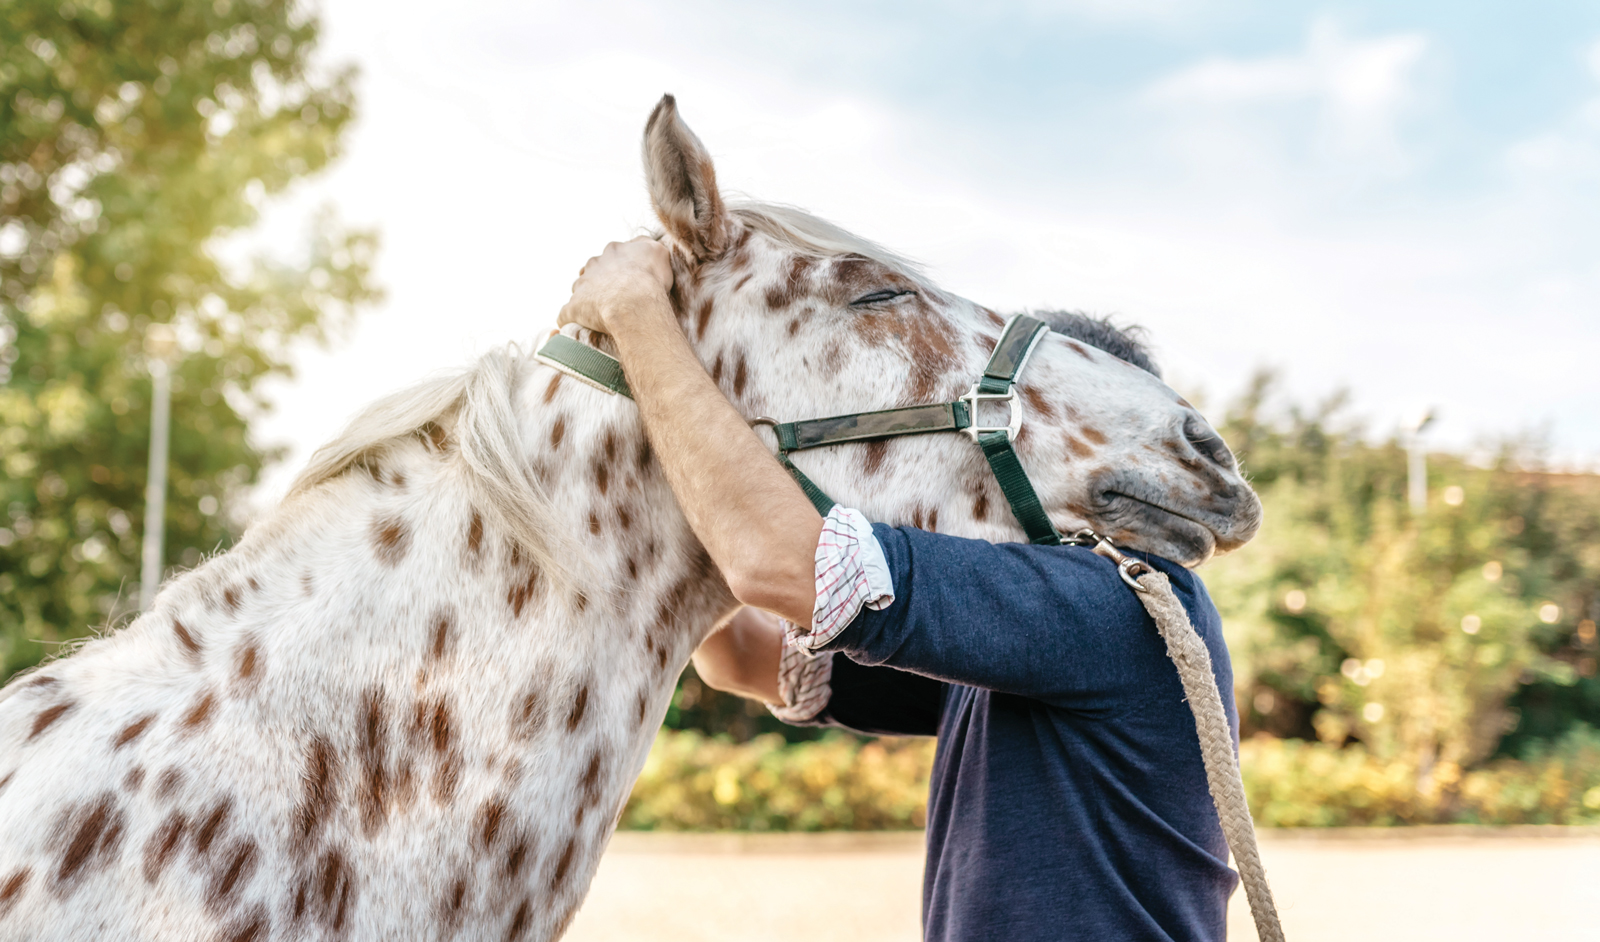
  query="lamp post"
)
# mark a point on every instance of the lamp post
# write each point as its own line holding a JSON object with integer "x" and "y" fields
{"x": 1417, "y": 463}
{"x": 161, "y": 346}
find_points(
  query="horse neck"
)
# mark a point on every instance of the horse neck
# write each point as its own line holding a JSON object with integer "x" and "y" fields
{"x": 378, "y": 675}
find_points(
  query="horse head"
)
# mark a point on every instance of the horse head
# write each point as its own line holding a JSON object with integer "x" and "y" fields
{"x": 796, "y": 318}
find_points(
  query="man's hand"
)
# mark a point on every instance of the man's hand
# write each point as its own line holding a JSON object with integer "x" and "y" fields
{"x": 752, "y": 518}
{"x": 625, "y": 278}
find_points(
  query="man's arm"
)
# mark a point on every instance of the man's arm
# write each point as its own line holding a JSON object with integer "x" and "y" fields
{"x": 743, "y": 657}
{"x": 756, "y": 523}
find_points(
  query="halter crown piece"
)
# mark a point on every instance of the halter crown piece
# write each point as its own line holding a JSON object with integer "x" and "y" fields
{"x": 998, "y": 384}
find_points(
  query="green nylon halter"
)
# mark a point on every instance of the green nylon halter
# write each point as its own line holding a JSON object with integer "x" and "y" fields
{"x": 997, "y": 384}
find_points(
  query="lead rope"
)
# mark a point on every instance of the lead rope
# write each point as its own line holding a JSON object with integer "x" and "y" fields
{"x": 1193, "y": 660}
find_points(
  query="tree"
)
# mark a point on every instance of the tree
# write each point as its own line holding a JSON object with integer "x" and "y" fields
{"x": 133, "y": 138}
{"x": 1354, "y": 620}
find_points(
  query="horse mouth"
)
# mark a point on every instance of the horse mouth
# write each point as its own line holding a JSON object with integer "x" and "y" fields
{"x": 1167, "y": 531}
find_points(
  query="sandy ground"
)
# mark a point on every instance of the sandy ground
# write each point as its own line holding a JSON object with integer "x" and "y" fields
{"x": 1461, "y": 885}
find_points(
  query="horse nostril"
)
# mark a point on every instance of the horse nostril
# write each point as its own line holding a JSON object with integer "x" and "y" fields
{"x": 1207, "y": 442}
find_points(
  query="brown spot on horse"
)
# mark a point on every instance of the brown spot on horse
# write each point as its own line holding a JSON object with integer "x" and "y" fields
{"x": 163, "y": 844}
{"x": 391, "y": 540}
{"x": 475, "y": 535}
{"x": 248, "y": 663}
{"x": 441, "y": 636}
{"x": 876, "y": 452}
{"x": 373, "y": 756}
{"x": 519, "y": 922}
{"x": 702, "y": 317}
{"x": 11, "y": 888}
{"x": 253, "y": 926}
{"x": 491, "y": 817}
{"x": 168, "y": 783}
{"x": 133, "y": 731}
{"x": 1037, "y": 402}
{"x": 199, "y": 714}
{"x": 558, "y": 431}
{"x": 212, "y": 827}
{"x": 564, "y": 864}
{"x": 94, "y": 835}
{"x": 190, "y": 645}
{"x": 436, "y": 436}
{"x": 550, "y": 390}
{"x": 236, "y": 872}
{"x": 580, "y": 705}
{"x": 47, "y": 718}
{"x": 318, "y": 794}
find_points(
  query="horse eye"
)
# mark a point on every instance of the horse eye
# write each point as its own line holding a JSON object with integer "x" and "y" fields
{"x": 878, "y": 297}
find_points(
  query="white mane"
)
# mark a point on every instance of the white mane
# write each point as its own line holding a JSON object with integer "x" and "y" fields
{"x": 478, "y": 407}
{"x": 795, "y": 228}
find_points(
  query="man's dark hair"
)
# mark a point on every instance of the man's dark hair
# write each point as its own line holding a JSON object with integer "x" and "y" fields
{"x": 1124, "y": 343}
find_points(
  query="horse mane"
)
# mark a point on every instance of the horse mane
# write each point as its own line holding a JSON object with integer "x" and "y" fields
{"x": 481, "y": 401}
{"x": 1124, "y": 343}
{"x": 795, "y": 228}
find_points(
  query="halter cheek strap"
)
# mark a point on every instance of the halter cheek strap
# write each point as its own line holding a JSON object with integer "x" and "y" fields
{"x": 997, "y": 385}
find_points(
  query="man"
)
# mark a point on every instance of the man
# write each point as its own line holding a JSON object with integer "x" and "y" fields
{"x": 1068, "y": 799}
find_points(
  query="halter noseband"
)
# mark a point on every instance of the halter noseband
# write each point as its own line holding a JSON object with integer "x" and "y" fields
{"x": 997, "y": 384}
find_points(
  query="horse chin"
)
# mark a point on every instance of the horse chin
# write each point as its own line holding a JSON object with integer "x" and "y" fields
{"x": 1146, "y": 527}
{"x": 1137, "y": 514}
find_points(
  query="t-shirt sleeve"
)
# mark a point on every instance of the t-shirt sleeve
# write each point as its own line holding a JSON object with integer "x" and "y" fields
{"x": 879, "y": 701}
{"x": 1052, "y": 623}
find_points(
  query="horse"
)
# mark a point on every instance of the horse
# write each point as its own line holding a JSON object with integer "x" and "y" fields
{"x": 411, "y": 701}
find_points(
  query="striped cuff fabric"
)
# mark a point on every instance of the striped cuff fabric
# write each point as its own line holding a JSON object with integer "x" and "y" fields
{"x": 803, "y": 681}
{"x": 851, "y": 573}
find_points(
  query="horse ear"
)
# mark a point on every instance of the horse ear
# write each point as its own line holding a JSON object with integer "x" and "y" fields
{"x": 683, "y": 185}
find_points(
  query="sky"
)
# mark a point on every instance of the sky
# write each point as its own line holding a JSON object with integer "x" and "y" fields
{"x": 1400, "y": 200}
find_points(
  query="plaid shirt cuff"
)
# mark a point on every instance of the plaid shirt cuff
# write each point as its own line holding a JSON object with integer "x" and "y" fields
{"x": 851, "y": 573}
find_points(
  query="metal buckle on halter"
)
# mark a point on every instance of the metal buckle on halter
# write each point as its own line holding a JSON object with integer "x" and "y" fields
{"x": 977, "y": 395}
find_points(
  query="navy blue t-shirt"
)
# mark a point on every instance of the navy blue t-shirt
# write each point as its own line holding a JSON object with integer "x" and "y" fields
{"x": 1068, "y": 798}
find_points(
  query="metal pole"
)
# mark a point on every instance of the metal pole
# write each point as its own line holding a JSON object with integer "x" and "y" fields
{"x": 1416, "y": 474}
{"x": 155, "y": 491}
{"x": 1417, "y": 464}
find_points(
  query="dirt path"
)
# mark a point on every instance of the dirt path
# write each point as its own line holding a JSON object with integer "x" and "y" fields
{"x": 1429, "y": 883}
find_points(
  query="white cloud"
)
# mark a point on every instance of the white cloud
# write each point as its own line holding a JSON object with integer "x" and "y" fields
{"x": 1360, "y": 88}
{"x": 530, "y": 164}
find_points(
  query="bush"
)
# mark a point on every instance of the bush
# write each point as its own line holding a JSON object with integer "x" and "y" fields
{"x": 693, "y": 782}
{"x": 1293, "y": 783}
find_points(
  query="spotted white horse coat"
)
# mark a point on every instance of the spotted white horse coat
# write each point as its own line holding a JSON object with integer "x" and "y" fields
{"x": 379, "y": 716}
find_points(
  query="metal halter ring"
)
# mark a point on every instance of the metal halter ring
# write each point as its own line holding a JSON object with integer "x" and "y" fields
{"x": 1009, "y": 397}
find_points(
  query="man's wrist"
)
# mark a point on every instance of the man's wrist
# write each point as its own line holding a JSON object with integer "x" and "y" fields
{"x": 627, "y": 311}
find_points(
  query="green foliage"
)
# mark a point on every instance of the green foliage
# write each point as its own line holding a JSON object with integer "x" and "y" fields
{"x": 698, "y": 707}
{"x": 693, "y": 782}
{"x": 134, "y": 137}
{"x": 1352, "y": 619}
{"x": 1294, "y": 783}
